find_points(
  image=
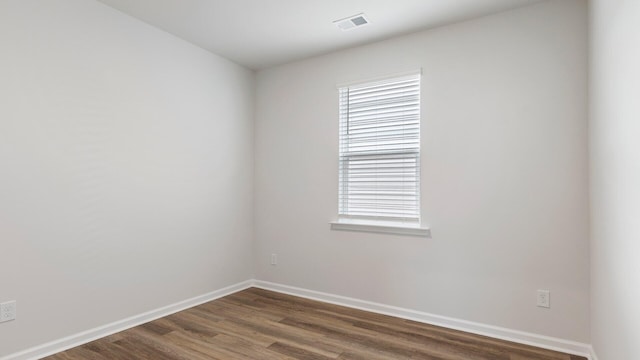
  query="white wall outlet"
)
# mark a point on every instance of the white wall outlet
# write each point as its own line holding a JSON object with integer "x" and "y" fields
{"x": 544, "y": 299}
{"x": 8, "y": 311}
{"x": 274, "y": 259}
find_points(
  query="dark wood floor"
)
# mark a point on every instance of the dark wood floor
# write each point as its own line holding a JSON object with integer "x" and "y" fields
{"x": 260, "y": 324}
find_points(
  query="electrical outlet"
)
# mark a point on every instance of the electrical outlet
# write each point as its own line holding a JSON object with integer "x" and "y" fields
{"x": 544, "y": 299}
{"x": 274, "y": 259}
{"x": 8, "y": 311}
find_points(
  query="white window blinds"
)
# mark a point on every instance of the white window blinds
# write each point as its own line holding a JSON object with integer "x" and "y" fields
{"x": 379, "y": 174}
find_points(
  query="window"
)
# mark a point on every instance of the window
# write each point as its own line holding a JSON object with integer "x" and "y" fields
{"x": 379, "y": 155}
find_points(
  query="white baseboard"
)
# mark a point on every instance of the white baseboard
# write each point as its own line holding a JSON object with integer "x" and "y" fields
{"x": 105, "y": 330}
{"x": 521, "y": 337}
{"x": 546, "y": 342}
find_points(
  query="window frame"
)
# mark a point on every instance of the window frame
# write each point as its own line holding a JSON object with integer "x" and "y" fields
{"x": 401, "y": 225}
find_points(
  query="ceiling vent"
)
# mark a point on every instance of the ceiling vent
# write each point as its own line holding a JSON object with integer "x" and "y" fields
{"x": 352, "y": 22}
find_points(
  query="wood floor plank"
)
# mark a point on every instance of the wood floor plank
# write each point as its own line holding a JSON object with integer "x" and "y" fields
{"x": 287, "y": 334}
{"x": 249, "y": 349}
{"x": 266, "y": 325}
{"x": 175, "y": 349}
{"x": 109, "y": 350}
{"x": 297, "y": 352}
{"x": 79, "y": 353}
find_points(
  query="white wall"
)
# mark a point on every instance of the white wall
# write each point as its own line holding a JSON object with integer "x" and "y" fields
{"x": 615, "y": 178}
{"x": 125, "y": 169}
{"x": 504, "y": 166}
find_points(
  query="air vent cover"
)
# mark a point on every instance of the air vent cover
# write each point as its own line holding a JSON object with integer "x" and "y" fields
{"x": 352, "y": 22}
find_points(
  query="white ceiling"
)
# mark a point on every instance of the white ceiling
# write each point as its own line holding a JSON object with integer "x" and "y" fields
{"x": 264, "y": 33}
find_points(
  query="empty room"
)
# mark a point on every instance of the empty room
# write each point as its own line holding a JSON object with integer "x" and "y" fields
{"x": 306, "y": 179}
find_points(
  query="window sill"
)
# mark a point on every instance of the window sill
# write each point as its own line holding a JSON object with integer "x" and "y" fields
{"x": 381, "y": 228}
